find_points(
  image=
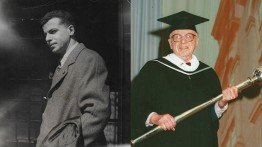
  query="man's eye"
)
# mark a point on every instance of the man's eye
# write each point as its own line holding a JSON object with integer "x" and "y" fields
{"x": 189, "y": 36}
{"x": 52, "y": 31}
{"x": 177, "y": 36}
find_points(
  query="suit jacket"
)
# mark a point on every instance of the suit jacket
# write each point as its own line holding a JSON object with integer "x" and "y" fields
{"x": 78, "y": 105}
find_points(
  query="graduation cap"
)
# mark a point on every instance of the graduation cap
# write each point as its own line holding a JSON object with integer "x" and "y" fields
{"x": 183, "y": 20}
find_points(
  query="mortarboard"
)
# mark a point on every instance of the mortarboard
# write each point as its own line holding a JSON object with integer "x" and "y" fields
{"x": 183, "y": 20}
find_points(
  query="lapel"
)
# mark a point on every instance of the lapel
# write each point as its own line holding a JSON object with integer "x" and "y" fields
{"x": 61, "y": 73}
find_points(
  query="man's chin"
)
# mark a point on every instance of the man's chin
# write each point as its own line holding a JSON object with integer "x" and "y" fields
{"x": 186, "y": 54}
{"x": 55, "y": 51}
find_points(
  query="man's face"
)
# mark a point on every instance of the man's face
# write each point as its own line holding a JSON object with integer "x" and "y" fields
{"x": 57, "y": 35}
{"x": 183, "y": 43}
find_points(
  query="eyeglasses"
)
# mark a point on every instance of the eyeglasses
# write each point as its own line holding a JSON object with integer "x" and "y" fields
{"x": 188, "y": 37}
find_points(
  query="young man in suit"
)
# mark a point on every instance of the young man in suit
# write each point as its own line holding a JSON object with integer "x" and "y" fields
{"x": 78, "y": 105}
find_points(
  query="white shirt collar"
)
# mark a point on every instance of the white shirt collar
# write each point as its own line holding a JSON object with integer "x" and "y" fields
{"x": 67, "y": 54}
{"x": 173, "y": 58}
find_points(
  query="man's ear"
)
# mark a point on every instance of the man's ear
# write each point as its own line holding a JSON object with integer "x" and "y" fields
{"x": 71, "y": 30}
{"x": 197, "y": 41}
{"x": 170, "y": 42}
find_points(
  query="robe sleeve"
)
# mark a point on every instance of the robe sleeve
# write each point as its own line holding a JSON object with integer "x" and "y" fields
{"x": 142, "y": 91}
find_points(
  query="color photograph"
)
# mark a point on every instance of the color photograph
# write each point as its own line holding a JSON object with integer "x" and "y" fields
{"x": 196, "y": 73}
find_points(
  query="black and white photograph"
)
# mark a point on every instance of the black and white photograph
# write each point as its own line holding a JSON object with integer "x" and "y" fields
{"x": 64, "y": 73}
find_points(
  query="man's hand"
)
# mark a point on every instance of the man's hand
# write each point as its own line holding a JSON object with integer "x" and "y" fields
{"x": 228, "y": 94}
{"x": 166, "y": 121}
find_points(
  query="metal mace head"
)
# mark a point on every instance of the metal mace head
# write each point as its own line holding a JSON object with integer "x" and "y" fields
{"x": 258, "y": 74}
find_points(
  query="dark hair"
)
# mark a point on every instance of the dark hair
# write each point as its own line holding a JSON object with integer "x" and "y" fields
{"x": 66, "y": 17}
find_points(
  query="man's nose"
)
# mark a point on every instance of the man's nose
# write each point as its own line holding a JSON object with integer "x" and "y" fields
{"x": 47, "y": 38}
{"x": 183, "y": 40}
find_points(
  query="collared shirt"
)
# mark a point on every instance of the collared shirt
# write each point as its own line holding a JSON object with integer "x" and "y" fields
{"x": 64, "y": 58}
{"x": 173, "y": 58}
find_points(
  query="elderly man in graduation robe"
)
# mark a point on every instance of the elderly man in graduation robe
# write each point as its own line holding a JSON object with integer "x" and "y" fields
{"x": 171, "y": 85}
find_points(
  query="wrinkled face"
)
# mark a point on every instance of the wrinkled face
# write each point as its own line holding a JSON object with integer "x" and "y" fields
{"x": 57, "y": 35}
{"x": 183, "y": 43}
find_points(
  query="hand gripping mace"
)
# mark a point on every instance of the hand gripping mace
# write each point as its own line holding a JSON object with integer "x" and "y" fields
{"x": 257, "y": 76}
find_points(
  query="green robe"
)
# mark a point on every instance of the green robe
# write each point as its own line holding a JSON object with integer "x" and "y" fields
{"x": 163, "y": 87}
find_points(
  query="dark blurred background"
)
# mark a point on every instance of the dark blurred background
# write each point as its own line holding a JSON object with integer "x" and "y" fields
{"x": 26, "y": 63}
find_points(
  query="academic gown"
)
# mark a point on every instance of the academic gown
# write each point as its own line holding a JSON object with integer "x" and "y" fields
{"x": 163, "y": 87}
